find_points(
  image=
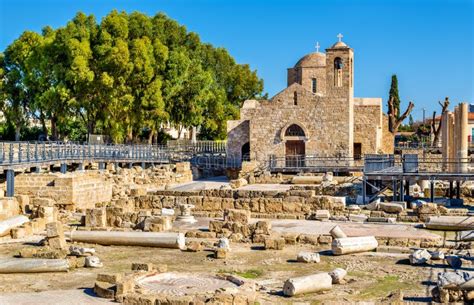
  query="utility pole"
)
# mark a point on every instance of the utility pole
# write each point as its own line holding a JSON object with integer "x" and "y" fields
{"x": 424, "y": 115}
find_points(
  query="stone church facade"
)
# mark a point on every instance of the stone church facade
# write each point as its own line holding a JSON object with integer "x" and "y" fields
{"x": 316, "y": 115}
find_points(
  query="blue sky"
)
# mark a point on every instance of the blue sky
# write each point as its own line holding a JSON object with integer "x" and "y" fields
{"x": 429, "y": 44}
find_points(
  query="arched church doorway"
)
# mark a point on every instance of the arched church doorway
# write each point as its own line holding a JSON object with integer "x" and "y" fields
{"x": 294, "y": 146}
{"x": 245, "y": 152}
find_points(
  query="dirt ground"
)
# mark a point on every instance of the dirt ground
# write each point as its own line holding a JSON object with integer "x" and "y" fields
{"x": 371, "y": 276}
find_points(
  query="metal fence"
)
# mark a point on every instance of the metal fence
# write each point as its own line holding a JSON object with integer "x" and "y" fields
{"x": 216, "y": 162}
{"x": 413, "y": 163}
{"x": 313, "y": 163}
{"x": 189, "y": 146}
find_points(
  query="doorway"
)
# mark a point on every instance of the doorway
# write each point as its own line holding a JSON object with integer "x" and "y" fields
{"x": 295, "y": 151}
{"x": 245, "y": 152}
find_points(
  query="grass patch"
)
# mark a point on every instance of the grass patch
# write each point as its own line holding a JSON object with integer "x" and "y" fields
{"x": 384, "y": 286}
{"x": 248, "y": 274}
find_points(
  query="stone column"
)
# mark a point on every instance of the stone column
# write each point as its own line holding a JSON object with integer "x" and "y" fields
{"x": 451, "y": 144}
{"x": 463, "y": 137}
{"x": 445, "y": 139}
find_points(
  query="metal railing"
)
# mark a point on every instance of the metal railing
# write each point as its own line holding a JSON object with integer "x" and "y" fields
{"x": 18, "y": 153}
{"x": 15, "y": 154}
{"x": 313, "y": 163}
{"x": 216, "y": 162}
{"x": 197, "y": 146}
{"x": 413, "y": 163}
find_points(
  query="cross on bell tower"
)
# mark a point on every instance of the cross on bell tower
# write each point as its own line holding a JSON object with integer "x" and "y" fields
{"x": 339, "y": 36}
{"x": 317, "y": 46}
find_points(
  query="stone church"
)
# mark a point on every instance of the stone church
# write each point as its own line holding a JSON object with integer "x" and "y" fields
{"x": 317, "y": 115}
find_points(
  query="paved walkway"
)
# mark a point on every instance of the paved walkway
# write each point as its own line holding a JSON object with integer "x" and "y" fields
{"x": 53, "y": 297}
{"x": 202, "y": 184}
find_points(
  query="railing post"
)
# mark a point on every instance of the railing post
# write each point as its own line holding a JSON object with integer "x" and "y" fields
{"x": 3, "y": 153}
{"x": 431, "y": 191}
{"x": 19, "y": 152}
{"x": 364, "y": 189}
{"x": 10, "y": 173}
{"x": 402, "y": 191}
{"x": 394, "y": 188}
{"x": 10, "y": 153}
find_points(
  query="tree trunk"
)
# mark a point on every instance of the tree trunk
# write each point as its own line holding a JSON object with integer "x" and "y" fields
{"x": 394, "y": 119}
{"x": 150, "y": 136}
{"x": 437, "y": 129}
{"x": 130, "y": 136}
{"x": 43, "y": 124}
{"x": 54, "y": 129}
{"x": 17, "y": 132}
{"x": 180, "y": 130}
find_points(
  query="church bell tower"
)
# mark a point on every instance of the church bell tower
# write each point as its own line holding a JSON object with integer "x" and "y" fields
{"x": 340, "y": 92}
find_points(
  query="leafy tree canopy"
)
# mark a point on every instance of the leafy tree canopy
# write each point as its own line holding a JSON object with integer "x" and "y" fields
{"x": 119, "y": 77}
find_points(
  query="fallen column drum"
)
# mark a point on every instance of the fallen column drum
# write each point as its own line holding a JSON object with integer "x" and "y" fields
{"x": 454, "y": 223}
{"x": 10, "y": 223}
{"x": 33, "y": 265}
{"x": 306, "y": 284}
{"x": 146, "y": 239}
{"x": 348, "y": 245}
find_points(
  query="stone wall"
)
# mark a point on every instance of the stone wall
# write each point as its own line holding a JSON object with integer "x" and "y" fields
{"x": 82, "y": 190}
{"x": 325, "y": 133}
{"x": 238, "y": 135}
{"x": 368, "y": 121}
{"x": 388, "y": 139}
{"x": 262, "y": 204}
{"x": 136, "y": 180}
{"x": 9, "y": 207}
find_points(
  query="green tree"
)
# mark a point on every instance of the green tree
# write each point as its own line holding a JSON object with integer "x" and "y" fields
{"x": 18, "y": 96}
{"x": 411, "y": 121}
{"x": 128, "y": 74}
{"x": 394, "y": 94}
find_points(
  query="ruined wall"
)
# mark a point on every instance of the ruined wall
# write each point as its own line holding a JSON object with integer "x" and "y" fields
{"x": 237, "y": 136}
{"x": 262, "y": 204}
{"x": 80, "y": 189}
{"x": 9, "y": 207}
{"x": 368, "y": 124}
{"x": 136, "y": 180}
{"x": 388, "y": 139}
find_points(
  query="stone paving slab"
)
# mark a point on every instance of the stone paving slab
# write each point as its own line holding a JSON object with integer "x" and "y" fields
{"x": 266, "y": 187}
{"x": 202, "y": 184}
{"x": 351, "y": 228}
{"x": 385, "y": 230}
{"x": 53, "y": 297}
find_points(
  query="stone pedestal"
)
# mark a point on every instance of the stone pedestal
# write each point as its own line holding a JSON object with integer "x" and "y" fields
{"x": 186, "y": 215}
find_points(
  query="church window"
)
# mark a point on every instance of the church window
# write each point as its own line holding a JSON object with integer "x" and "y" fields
{"x": 338, "y": 65}
{"x": 357, "y": 151}
{"x": 313, "y": 85}
{"x": 295, "y": 98}
{"x": 294, "y": 131}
